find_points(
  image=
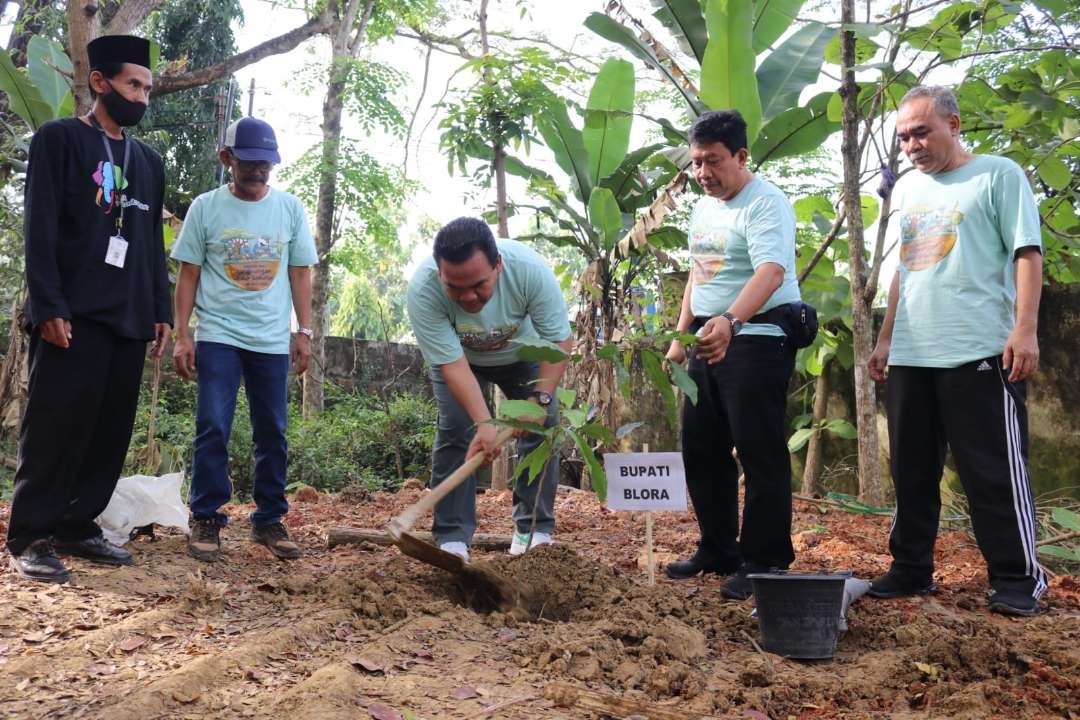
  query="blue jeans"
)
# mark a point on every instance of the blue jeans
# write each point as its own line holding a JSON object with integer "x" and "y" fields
{"x": 455, "y": 516}
{"x": 265, "y": 375}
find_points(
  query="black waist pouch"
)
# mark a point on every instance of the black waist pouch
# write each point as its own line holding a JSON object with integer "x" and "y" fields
{"x": 798, "y": 321}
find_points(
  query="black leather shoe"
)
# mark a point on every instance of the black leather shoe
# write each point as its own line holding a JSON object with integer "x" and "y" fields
{"x": 686, "y": 569}
{"x": 39, "y": 562}
{"x": 739, "y": 586}
{"x": 894, "y": 585}
{"x": 96, "y": 549}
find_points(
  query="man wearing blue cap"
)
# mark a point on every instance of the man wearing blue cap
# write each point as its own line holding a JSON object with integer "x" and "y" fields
{"x": 246, "y": 253}
{"x": 98, "y": 292}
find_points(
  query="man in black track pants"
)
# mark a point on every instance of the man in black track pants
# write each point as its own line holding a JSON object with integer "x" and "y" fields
{"x": 958, "y": 341}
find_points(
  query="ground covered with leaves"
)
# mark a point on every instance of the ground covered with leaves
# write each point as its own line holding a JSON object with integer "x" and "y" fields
{"x": 361, "y": 631}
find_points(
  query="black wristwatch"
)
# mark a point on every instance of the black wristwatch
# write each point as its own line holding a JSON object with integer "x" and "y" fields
{"x": 543, "y": 399}
{"x": 736, "y": 323}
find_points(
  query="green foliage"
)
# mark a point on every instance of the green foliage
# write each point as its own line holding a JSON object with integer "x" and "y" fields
{"x": 24, "y": 98}
{"x": 772, "y": 18}
{"x": 501, "y": 107}
{"x": 607, "y": 118}
{"x": 791, "y": 67}
{"x": 369, "y": 199}
{"x": 46, "y": 65}
{"x": 727, "y": 78}
{"x": 182, "y": 126}
{"x": 685, "y": 21}
{"x": 353, "y": 440}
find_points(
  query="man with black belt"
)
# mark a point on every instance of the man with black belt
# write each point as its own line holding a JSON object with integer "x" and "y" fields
{"x": 958, "y": 342}
{"x": 99, "y": 291}
{"x": 742, "y": 246}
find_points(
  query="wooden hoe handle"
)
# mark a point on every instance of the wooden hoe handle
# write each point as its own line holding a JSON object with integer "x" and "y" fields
{"x": 404, "y": 522}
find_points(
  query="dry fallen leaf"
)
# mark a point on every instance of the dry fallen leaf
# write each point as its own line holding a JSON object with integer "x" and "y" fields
{"x": 464, "y": 693}
{"x": 506, "y": 634}
{"x": 36, "y": 637}
{"x": 23, "y": 685}
{"x": 367, "y": 664}
{"x": 100, "y": 669}
{"x": 186, "y": 695}
{"x": 384, "y": 712}
{"x": 131, "y": 643}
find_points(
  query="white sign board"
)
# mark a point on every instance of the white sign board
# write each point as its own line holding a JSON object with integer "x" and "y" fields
{"x": 646, "y": 481}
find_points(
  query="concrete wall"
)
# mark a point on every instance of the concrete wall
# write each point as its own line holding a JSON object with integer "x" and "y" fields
{"x": 367, "y": 364}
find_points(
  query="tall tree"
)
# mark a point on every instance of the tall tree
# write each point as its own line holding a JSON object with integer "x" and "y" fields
{"x": 196, "y": 33}
{"x": 870, "y": 488}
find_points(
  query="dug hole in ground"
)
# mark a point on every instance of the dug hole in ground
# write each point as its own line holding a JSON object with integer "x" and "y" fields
{"x": 361, "y": 631}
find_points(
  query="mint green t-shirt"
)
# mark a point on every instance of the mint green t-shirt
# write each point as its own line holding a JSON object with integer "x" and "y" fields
{"x": 245, "y": 248}
{"x": 729, "y": 240}
{"x": 959, "y": 232}
{"x": 527, "y": 302}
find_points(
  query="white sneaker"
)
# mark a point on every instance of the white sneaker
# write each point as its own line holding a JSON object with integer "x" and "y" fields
{"x": 520, "y": 543}
{"x": 457, "y": 548}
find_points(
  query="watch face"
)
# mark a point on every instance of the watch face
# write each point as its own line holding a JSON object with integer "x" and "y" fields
{"x": 543, "y": 398}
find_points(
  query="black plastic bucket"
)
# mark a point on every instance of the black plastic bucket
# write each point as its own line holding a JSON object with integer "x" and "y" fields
{"x": 799, "y": 615}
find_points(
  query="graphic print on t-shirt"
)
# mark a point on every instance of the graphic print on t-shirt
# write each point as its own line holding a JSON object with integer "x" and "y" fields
{"x": 480, "y": 339}
{"x": 927, "y": 235}
{"x": 110, "y": 181}
{"x": 251, "y": 261}
{"x": 707, "y": 248}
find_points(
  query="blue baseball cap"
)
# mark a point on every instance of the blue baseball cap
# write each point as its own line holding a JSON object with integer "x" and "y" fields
{"x": 252, "y": 139}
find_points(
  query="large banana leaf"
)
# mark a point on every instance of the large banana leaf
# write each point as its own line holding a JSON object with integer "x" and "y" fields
{"x": 616, "y": 32}
{"x": 626, "y": 179}
{"x": 795, "y": 131}
{"x": 791, "y": 67}
{"x": 727, "y": 72}
{"x": 771, "y": 19}
{"x": 23, "y": 96}
{"x": 608, "y": 116}
{"x": 46, "y": 62}
{"x": 566, "y": 143}
{"x": 685, "y": 21}
{"x": 605, "y": 216}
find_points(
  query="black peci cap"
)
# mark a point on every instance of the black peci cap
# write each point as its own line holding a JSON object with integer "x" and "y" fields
{"x": 118, "y": 49}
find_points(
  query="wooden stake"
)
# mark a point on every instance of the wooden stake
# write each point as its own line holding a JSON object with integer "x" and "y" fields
{"x": 648, "y": 537}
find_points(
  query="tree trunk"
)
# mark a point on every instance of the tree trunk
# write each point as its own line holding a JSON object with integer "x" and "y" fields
{"x": 324, "y": 238}
{"x": 811, "y": 479}
{"x": 347, "y": 33}
{"x": 28, "y": 23}
{"x": 862, "y": 328}
{"x": 83, "y": 26}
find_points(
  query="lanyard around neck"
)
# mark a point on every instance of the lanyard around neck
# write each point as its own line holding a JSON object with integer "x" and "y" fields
{"x": 112, "y": 167}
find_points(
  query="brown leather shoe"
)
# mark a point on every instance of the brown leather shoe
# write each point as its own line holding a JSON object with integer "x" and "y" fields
{"x": 276, "y": 538}
{"x": 204, "y": 543}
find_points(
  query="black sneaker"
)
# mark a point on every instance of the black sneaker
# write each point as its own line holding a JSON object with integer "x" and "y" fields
{"x": 696, "y": 565}
{"x": 96, "y": 549}
{"x": 894, "y": 585}
{"x": 38, "y": 561}
{"x": 1014, "y": 602}
{"x": 204, "y": 542}
{"x": 276, "y": 538}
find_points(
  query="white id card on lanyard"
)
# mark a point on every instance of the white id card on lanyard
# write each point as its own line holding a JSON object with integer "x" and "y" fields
{"x": 117, "y": 252}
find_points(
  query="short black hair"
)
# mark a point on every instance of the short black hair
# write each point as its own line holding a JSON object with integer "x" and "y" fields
{"x": 109, "y": 70}
{"x": 459, "y": 239}
{"x": 720, "y": 126}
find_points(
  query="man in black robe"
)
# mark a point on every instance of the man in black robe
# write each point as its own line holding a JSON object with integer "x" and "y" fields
{"x": 98, "y": 292}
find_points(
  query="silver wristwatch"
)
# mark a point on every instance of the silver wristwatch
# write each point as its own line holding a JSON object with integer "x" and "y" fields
{"x": 305, "y": 331}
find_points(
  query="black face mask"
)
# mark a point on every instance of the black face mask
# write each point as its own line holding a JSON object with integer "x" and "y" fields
{"x": 125, "y": 112}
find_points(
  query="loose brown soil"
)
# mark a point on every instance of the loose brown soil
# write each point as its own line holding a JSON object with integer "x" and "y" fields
{"x": 364, "y": 632}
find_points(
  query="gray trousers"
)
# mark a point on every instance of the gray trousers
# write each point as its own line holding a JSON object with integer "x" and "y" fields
{"x": 455, "y": 516}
